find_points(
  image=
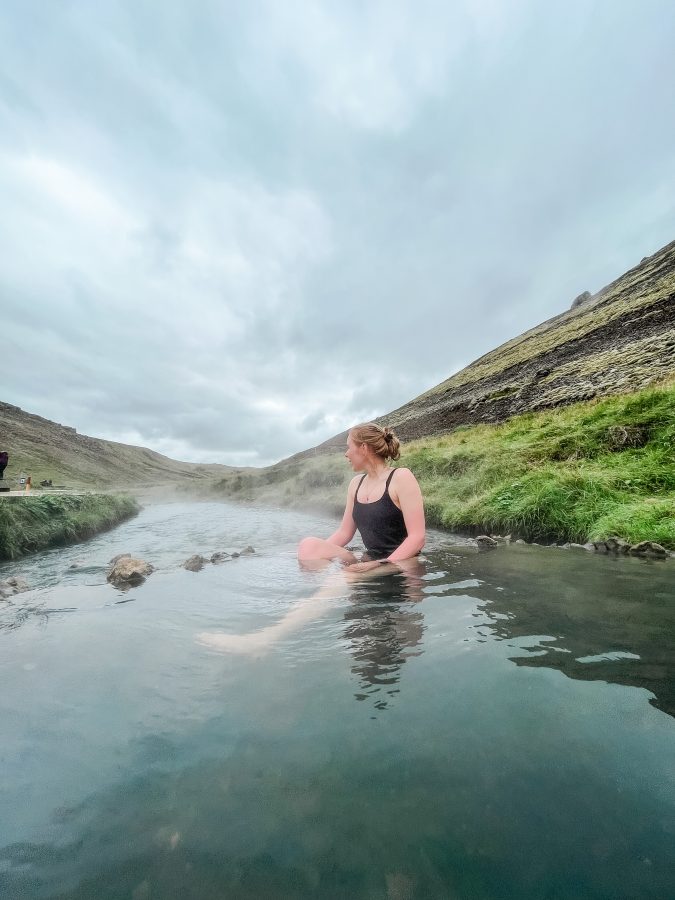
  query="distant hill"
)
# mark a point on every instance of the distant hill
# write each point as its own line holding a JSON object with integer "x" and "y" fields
{"x": 47, "y": 450}
{"x": 618, "y": 340}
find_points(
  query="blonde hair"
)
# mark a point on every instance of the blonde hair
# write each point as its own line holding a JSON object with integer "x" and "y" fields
{"x": 382, "y": 440}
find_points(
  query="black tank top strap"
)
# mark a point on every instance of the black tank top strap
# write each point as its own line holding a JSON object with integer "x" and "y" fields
{"x": 386, "y": 487}
{"x": 356, "y": 493}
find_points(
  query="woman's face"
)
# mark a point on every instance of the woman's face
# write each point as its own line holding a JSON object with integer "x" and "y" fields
{"x": 356, "y": 454}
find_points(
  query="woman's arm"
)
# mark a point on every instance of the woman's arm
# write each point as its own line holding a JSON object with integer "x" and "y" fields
{"x": 347, "y": 528}
{"x": 406, "y": 493}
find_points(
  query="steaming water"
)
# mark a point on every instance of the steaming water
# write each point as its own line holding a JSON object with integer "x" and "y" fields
{"x": 496, "y": 725}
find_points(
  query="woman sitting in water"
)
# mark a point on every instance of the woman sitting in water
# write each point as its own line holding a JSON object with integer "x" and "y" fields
{"x": 384, "y": 504}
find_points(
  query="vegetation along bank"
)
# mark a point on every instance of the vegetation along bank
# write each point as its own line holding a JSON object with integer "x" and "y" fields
{"x": 29, "y": 524}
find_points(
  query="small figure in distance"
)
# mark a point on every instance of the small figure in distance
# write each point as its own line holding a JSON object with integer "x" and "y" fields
{"x": 4, "y": 459}
{"x": 384, "y": 504}
{"x": 28, "y": 484}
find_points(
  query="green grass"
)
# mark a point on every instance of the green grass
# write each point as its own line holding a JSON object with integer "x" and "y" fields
{"x": 583, "y": 472}
{"x": 29, "y": 524}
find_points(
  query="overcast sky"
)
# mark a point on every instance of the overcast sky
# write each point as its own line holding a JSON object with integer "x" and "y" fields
{"x": 230, "y": 230}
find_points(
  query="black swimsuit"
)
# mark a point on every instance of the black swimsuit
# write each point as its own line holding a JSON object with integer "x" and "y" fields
{"x": 380, "y": 523}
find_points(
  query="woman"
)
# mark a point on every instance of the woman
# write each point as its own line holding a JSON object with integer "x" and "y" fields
{"x": 384, "y": 504}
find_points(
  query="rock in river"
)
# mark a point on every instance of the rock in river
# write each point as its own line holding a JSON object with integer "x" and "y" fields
{"x": 195, "y": 563}
{"x": 127, "y": 571}
{"x": 13, "y": 585}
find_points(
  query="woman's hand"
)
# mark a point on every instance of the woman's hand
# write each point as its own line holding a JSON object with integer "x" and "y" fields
{"x": 365, "y": 566}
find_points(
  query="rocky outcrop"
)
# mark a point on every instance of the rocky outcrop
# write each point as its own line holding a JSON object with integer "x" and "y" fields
{"x": 581, "y": 299}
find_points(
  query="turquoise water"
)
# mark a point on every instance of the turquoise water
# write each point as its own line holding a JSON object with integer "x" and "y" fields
{"x": 495, "y": 725}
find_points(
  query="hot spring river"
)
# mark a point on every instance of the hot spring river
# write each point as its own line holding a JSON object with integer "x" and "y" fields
{"x": 494, "y": 725}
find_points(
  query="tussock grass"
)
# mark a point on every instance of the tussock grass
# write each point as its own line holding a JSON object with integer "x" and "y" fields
{"x": 582, "y": 472}
{"x": 28, "y": 524}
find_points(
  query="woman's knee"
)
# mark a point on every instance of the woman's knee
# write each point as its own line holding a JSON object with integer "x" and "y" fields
{"x": 310, "y": 548}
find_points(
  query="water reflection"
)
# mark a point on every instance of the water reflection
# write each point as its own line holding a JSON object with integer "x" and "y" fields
{"x": 602, "y": 619}
{"x": 384, "y": 629}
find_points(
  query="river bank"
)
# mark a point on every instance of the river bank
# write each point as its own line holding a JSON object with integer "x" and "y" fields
{"x": 580, "y": 473}
{"x": 34, "y": 523}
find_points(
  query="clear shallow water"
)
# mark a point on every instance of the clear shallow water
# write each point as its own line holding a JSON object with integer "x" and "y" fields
{"x": 498, "y": 725}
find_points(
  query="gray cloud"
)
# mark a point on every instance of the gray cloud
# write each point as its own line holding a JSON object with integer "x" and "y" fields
{"x": 229, "y": 232}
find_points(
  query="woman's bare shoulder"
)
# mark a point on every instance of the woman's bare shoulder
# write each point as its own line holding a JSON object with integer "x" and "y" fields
{"x": 405, "y": 474}
{"x": 353, "y": 483}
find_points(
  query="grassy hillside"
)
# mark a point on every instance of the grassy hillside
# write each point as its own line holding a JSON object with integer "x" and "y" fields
{"x": 47, "y": 450}
{"x": 587, "y": 471}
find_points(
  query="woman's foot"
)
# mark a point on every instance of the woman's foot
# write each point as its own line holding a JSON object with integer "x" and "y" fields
{"x": 254, "y": 644}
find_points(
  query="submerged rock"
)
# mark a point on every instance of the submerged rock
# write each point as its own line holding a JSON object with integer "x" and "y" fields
{"x": 219, "y": 557}
{"x": 485, "y": 542}
{"x": 127, "y": 571}
{"x": 12, "y": 586}
{"x": 195, "y": 563}
{"x": 119, "y": 556}
{"x": 247, "y": 550}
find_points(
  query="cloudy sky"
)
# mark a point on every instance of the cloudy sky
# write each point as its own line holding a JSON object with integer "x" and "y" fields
{"x": 229, "y": 230}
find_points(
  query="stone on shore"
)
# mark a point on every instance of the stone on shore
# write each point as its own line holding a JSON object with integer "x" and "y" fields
{"x": 648, "y": 548}
{"x": 617, "y": 545}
